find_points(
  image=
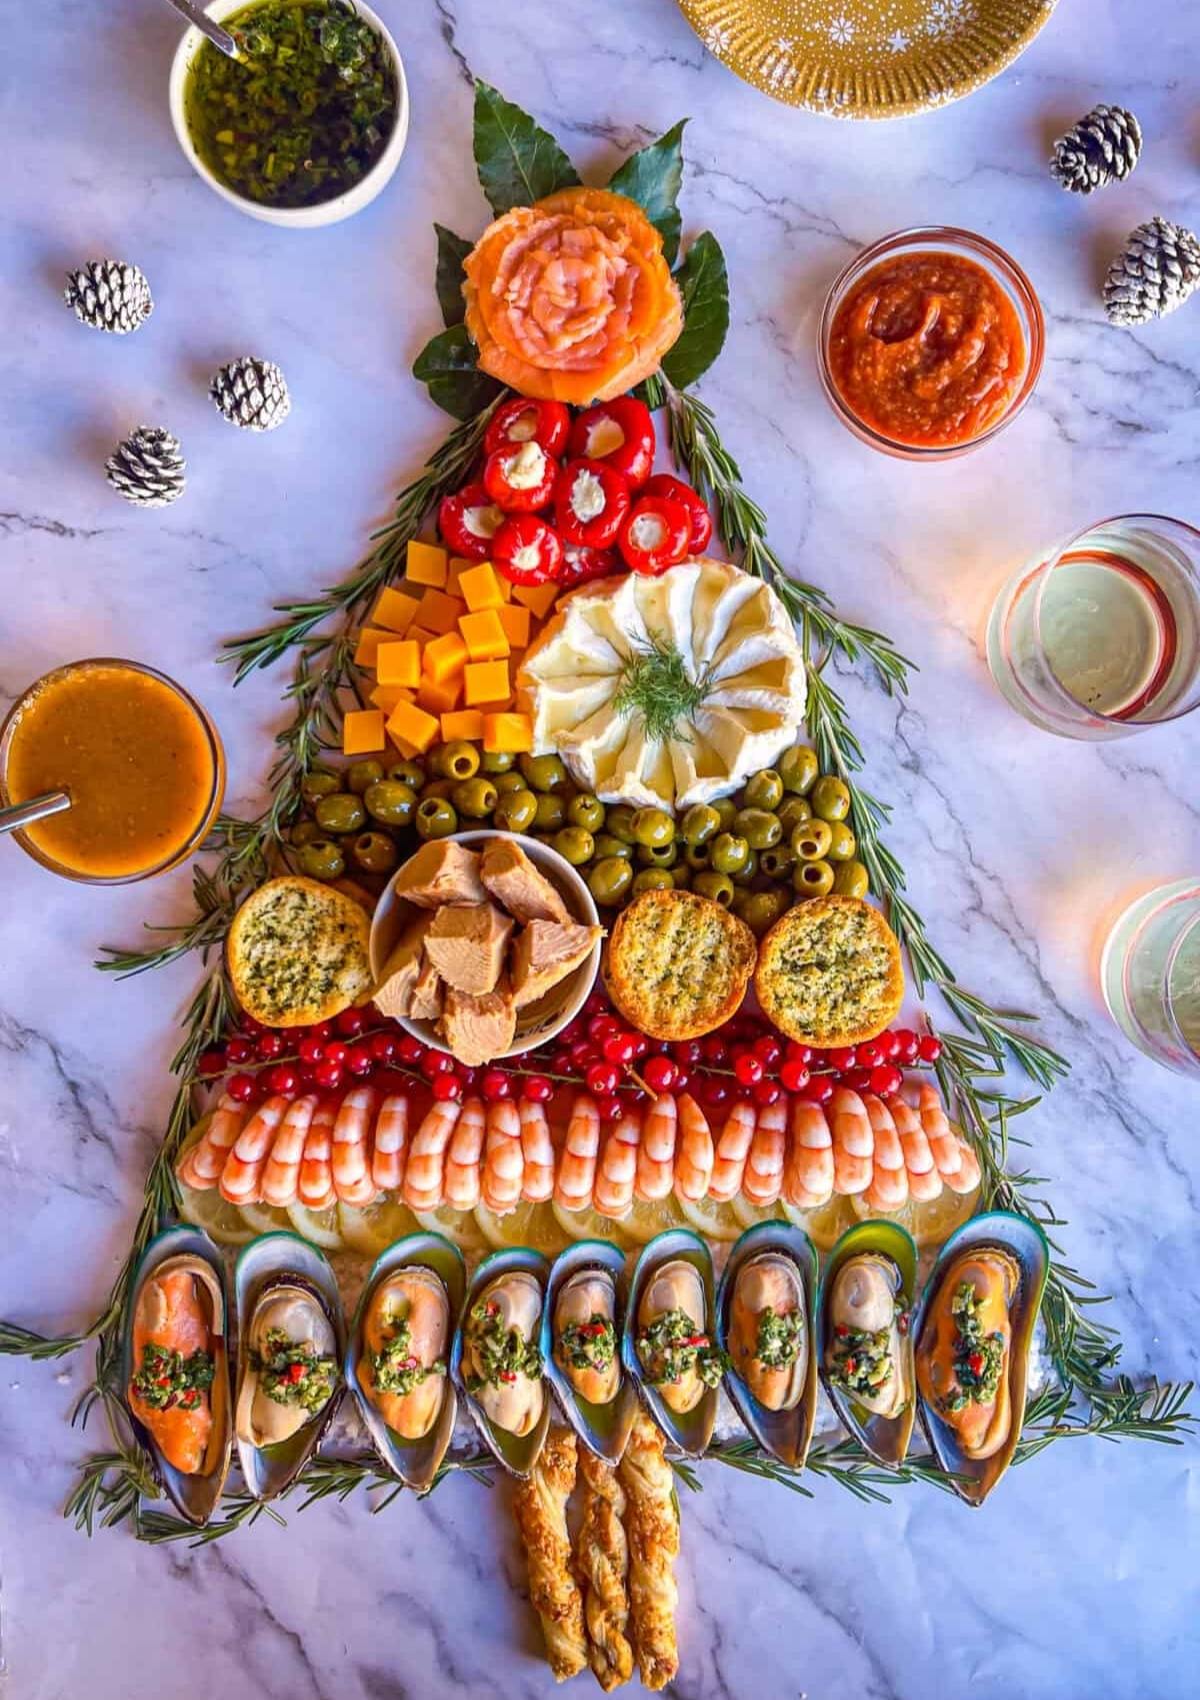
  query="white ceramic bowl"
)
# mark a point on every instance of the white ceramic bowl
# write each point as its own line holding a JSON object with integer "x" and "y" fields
{"x": 293, "y": 218}
{"x": 540, "y": 1021}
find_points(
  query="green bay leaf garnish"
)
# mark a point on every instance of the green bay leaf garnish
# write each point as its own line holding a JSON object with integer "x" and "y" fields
{"x": 447, "y": 366}
{"x": 704, "y": 283}
{"x": 518, "y": 162}
{"x": 656, "y": 685}
{"x": 452, "y": 250}
{"x": 653, "y": 177}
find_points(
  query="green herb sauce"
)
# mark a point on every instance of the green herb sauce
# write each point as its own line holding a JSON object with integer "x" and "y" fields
{"x": 291, "y": 1373}
{"x": 675, "y": 1343}
{"x": 978, "y": 1357}
{"x": 780, "y": 1338}
{"x": 589, "y": 1345}
{"x": 305, "y": 113}
{"x": 395, "y": 1369}
{"x": 501, "y": 1354}
{"x": 166, "y": 1378}
{"x": 859, "y": 1360}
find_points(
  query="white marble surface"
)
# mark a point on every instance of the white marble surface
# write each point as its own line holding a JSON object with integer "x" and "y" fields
{"x": 1081, "y": 1576}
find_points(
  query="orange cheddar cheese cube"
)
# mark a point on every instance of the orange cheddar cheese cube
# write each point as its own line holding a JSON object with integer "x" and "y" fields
{"x": 387, "y": 696}
{"x": 427, "y": 564}
{"x": 484, "y": 636}
{"x": 440, "y": 612}
{"x": 411, "y": 728}
{"x": 362, "y": 732}
{"x": 399, "y": 663}
{"x": 395, "y": 610}
{"x": 515, "y": 621}
{"x": 537, "y": 597}
{"x": 457, "y": 566}
{"x": 463, "y": 723}
{"x": 486, "y": 683}
{"x": 422, "y": 636}
{"x": 440, "y": 696}
{"x": 480, "y": 587}
{"x": 367, "y": 648}
{"x": 444, "y": 656}
{"x": 513, "y": 732}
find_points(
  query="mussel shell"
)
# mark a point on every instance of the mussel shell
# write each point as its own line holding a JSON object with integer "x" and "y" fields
{"x": 1021, "y": 1240}
{"x": 415, "y": 1462}
{"x": 516, "y": 1453}
{"x": 265, "y": 1265}
{"x": 886, "y": 1439}
{"x": 787, "y": 1434}
{"x": 195, "y": 1497}
{"x": 691, "y": 1430}
{"x": 602, "y": 1428}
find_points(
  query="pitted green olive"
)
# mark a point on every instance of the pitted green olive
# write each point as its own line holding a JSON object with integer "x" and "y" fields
{"x": 586, "y": 811}
{"x": 792, "y": 811}
{"x": 435, "y": 818}
{"x": 842, "y": 843}
{"x": 699, "y": 824}
{"x": 319, "y": 783}
{"x": 321, "y": 860}
{"x": 830, "y": 798}
{"x": 340, "y": 812}
{"x": 408, "y": 772}
{"x": 758, "y": 827}
{"x": 607, "y": 845}
{"x": 651, "y": 879}
{"x": 658, "y": 855}
{"x": 498, "y": 761}
{"x": 798, "y": 768}
{"x": 609, "y": 879}
{"x": 391, "y": 801}
{"x": 475, "y": 798}
{"x": 653, "y": 827}
{"x": 576, "y": 844}
{"x": 729, "y": 854}
{"x": 718, "y": 887}
{"x": 763, "y": 790}
{"x": 360, "y": 774}
{"x": 551, "y": 811}
{"x": 374, "y": 852}
{"x": 851, "y": 879}
{"x": 304, "y": 832}
{"x": 811, "y": 841}
{"x": 777, "y": 862}
{"x": 619, "y": 822}
{"x": 516, "y": 811}
{"x": 813, "y": 879}
{"x": 761, "y": 909}
{"x": 457, "y": 760}
{"x": 543, "y": 773}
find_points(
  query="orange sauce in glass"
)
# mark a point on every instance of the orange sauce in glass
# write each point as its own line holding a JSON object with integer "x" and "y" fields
{"x": 135, "y": 757}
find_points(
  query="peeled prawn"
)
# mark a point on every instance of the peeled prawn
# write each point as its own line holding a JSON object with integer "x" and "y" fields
{"x": 853, "y": 1142}
{"x": 924, "y": 1182}
{"x": 203, "y": 1164}
{"x": 617, "y": 1170}
{"x": 943, "y": 1141}
{"x": 281, "y": 1175}
{"x": 889, "y": 1183}
{"x": 503, "y": 1163}
{"x": 808, "y": 1177}
{"x": 694, "y": 1157}
{"x": 315, "y": 1186}
{"x": 577, "y": 1160}
{"x": 460, "y": 1180}
{"x": 241, "y": 1178}
{"x": 388, "y": 1144}
{"x": 537, "y": 1148}
{"x": 967, "y": 1175}
{"x": 351, "y": 1169}
{"x": 656, "y": 1153}
{"x": 763, "y": 1177}
{"x": 733, "y": 1147}
{"x": 427, "y": 1156}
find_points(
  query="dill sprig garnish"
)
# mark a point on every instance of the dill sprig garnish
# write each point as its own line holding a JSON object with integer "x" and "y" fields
{"x": 656, "y": 685}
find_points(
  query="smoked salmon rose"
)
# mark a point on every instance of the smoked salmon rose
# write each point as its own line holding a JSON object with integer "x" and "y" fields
{"x": 571, "y": 299}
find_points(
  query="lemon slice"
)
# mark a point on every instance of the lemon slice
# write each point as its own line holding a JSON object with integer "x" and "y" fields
{"x": 458, "y": 1226}
{"x": 319, "y": 1226}
{"x": 827, "y": 1223}
{"x": 266, "y": 1218}
{"x": 221, "y": 1220}
{"x": 590, "y": 1225}
{"x": 930, "y": 1223}
{"x": 749, "y": 1215}
{"x": 374, "y": 1228}
{"x": 646, "y": 1220}
{"x": 532, "y": 1225}
{"x": 715, "y": 1221}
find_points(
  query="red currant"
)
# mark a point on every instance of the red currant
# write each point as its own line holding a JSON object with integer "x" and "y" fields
{"x": 766, "y": 1092}
{"x": 907, "y": 1045}
{"x": 336, "y": 1052}
{"x": 603, "y": 1026}
{"x": 768, "y": 1049}
{"x": 210, "y": 1064}
{"x": 886, "y": 1080}
{"x": 868, "y": 1054}
{"x": 929, "y": 1048}
{"x": 239, "y": 1049}
{"x": 819, "y": 1090}
{"x": 241, "y": 1087}
{"x": 640, "y": 1045}
{"x": 857, "y": 1079}
{"x": 795, "y": 1075}
{"x": 382, "y": 1046}
{"x": 351, "y": 1022}
{"x": 602, "y": 1079}
{"x": 715, "y": 1093}
{"x": 682, "y": 1081}
{"x": 305, "y": 1081}
{"x": 620, "y": 1049}
{"x": 536, "y": 1089}
{"x": 889, "y": 1046}
{"x": 409, "y": 1050}
{"x": 610, "y": 1108}
{"x": 446, "y": 1088}
{"x": 687, "y": 1052}
{"x": 328, "y": 1075}
{"x": 434, "y": 1063}
{"x": 310, "y": 1050}
{"x": 359, "y": 1059}
{"x": 270, "y": 1045}
{"x": 495, "y": 1084}
{"x": 748, "y": 1068}
{"x": 841, "y": 1057}
{"x": 560, "y": 1062}
{"x": 798, "y": 1053}
{"x": 660, "y": 1073}
{"x": 283, "y": 1080}
{"x": 597, "y": 1004}
{"x": 714, "y": 1050}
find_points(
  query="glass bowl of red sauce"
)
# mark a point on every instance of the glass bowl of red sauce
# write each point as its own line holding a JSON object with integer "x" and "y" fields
{"x": 931, "y": 341}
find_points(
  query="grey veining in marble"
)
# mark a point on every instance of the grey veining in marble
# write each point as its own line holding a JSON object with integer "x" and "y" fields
{"x": 1081, "y": 1577}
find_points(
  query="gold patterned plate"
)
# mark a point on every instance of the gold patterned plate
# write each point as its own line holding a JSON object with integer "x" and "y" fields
{"x": 867, "y": 58}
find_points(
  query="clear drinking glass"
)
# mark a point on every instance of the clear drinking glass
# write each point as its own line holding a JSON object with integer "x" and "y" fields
{"x": 1150, "y": 974}
{"x": 1100, "y": 637}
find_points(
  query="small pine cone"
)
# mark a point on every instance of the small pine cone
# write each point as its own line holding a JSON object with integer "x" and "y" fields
{"x": 252, "y": 394}
{"x": 147, "y": 468}
{"x": 1102, "y": 148}
{"x": 109, "y": 295}
{"x": 1154, "y": 273}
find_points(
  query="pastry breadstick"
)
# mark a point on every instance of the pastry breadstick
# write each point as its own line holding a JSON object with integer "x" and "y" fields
{"x": 602, "y": 1557}
{"x": 652, "y": 1525}
{"x": 540, "y": 1508}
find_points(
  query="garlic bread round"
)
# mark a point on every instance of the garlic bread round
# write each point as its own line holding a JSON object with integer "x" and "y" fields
{"x": 678, "y": 964}
{"x": 829, "y": 972}
{"x": 298, "y": 953}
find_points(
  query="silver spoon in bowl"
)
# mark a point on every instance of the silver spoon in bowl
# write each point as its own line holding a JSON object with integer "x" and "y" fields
{"x": 196, "y": 15}
{"x": 37, "y": 808}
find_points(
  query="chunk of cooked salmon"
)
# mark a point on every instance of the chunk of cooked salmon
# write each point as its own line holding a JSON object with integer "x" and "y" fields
{"x": 544, "y": 953}
{"x": 466, "y": 944}
{"x": 440, "y": 872}
{"x": 395, "y": 993}
{"x": 517, "y": 885}
{"x": 479, "y": 1029}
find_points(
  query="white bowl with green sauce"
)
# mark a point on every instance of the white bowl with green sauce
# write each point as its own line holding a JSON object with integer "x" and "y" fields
{"x": 309, "y": 127}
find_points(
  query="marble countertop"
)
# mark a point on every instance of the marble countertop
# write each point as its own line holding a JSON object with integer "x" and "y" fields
{"x": 1080, "y": 1577}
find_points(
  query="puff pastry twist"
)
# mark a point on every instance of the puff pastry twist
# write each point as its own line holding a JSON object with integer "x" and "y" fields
{"x": 540, "y": 1508}
{"x": 602, "y": 1556}
{"x": 652, "y": 1525}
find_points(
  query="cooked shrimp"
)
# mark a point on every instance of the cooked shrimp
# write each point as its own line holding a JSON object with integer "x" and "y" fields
{"x": 889, "y": 1183}
{"x": 694, "y": 1158}
{"x": 460, "y": 1181}
{"x": 613, "y": 1192}
{"x": 351, "y": 1170}
{"x": 202, "y": 1165}
{"x": 808, "y": 1176}
{"x": 733, "y": 1147}
{"x": 656, "y": 1152}
{"x": 389, "y": 1143}
{"x": 943, "y": 1141}
{"x": 763, "y": 1178}
{"x": 282, "y": 1173}
{"x": 967, "y": 1176}
{"x": 853, "y": 1142}
{"x": 241, "y": 1178}
{"x": 577, "y": 1159}
{"x": 315, "y": 1186}
{"x": 537, "y": 1148}
{"x": 920, "y": 1170}
{"x": 427, "y": 1156}
{"x": 503, "y": 1163}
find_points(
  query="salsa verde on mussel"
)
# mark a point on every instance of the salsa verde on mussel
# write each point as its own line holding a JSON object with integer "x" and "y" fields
{"x": 677, "y": 1353}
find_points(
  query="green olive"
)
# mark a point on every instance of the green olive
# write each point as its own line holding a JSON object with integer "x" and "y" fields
{"x": 609, "y": 879}
{"x": 748, "y": 874}
{"x": 435, "y": 818}
{"x": 652, "y": 879}
{"x": 698, "y": 855}
{"x": 319, "y": 783}
{"x": 498, "y": 761}
{"x": 543, "y": 773}
{"x": 304, "y": 832}
{"x": 515, "y": 811}
{"x": 456, "y": 760}
{"x": 442, "y": 787}
{"x": 322, "y": 860}
{"x": 813, "y": 879}
{"x": 374, "y": 852}
{"x": 391, "y": 801}
{"x": 843, "y": 844}
{"x": 681, "y": 875}
{"x": 658, "y": 855}
{"x": 758, "y": 827}
{"x": 812, "y": 840}
{"x": 361, "y": 774}
{"x": 791, "y": 812}
{"x": 777, "y": 862}
{"x": 510, "y": 781}
{"x": 699, "y": 824}
{"x": 729, "y": 855}
{"x": 761, "y": 909}
{"x": 726, "y": 810}
{"x": 576, "y": 844}
{"x": 607, "y": 845}
{"x": 718, "y": 887}
{"x": 551, "y": 811}
{"x": 475, "y": 798}
{"x": 798, "y": 768}
{"x": 408, "y": 772}
{"x": 763, "y": 790}
{"x": 620, "y": 822}
{"x": 586, "y": 811}
{"x": 652, "y": 826}
{"x": 830, "y": 798}
{"x": 851, "y": 879}
{"x": 340, "y": 812}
